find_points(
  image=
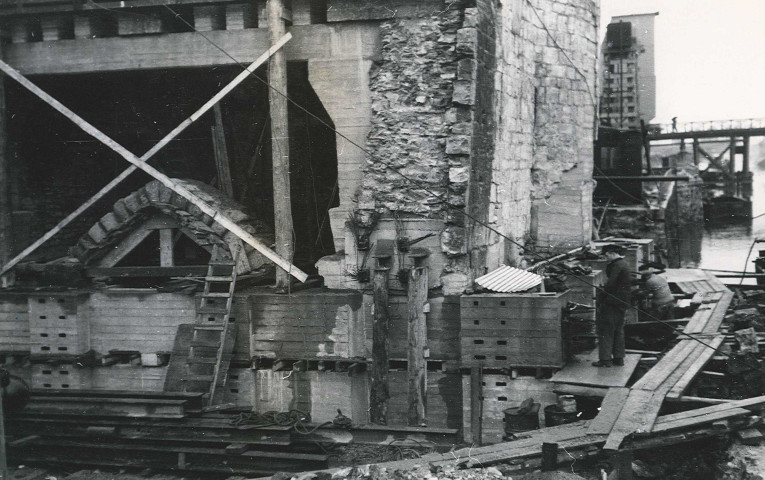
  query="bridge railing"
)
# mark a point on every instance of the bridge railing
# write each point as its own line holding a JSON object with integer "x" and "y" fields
{"x": 708, "y": 125}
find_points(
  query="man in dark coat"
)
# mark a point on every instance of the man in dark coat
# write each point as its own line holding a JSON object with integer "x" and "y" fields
{"x": 614, "y": 301}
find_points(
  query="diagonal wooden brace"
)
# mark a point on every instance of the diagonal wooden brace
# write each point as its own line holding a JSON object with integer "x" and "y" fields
{"x": 226, "y": 222}
{"x": 141, "y": 163}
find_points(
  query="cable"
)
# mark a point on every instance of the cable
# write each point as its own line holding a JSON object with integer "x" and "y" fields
{"x": 419, "y": 184}
{"x": 660, "y": 321}
{"x": 746, "y": 262}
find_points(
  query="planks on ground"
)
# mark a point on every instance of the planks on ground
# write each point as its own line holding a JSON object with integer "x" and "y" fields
{"x": 637, "y": 416}
{"x": 609, "y": 411}
{"x": 580, "y": 371}
{"x": 705, "y": 354}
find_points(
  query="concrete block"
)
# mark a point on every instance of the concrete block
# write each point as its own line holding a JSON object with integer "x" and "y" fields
{"x": 209, "y": 17}
{"x": 240, "y": 16}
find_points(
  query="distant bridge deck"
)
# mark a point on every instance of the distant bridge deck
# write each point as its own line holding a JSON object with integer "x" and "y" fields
{"x": 750, "y": 127}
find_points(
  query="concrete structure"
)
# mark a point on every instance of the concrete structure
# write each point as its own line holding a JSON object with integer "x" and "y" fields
{"x": 486, "y": 110}
{"x": 629, "y": 77}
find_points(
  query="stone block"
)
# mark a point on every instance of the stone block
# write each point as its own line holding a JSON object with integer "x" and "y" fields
{"x": 464, "y": 93}
{"x": 459, "y": 175}
{"x": 454, "y": 283}
{"x": 467, "y": 41}
{"x": 467, "y": 69}
{"x": 453, "y": 241}
{"x": 471, "y": 18}
{"x": 459, "y": 145}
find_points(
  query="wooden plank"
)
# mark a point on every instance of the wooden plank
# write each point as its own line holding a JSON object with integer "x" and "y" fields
{"x": 609, "y": 411}
{"x": 665, "y": 366}
{"x": 580, "y": 371}
{"x": 166, "y": 247}
{"x": 693, "y": 370}
{"x": 122, "y": 272}
{"x": 747, "y": 403}
{"x": 476, "y": 404}
{"x": 6, "y": 217}
{"x": 220, "y": 151}
{"x": 663, "y": 425}
{"x": 417, "y": 353}
{"x": 379, "y": 392}
{"x": 141, "y": 163}
{"x": 637, "y": 416}
{"x": 124, "y": 247}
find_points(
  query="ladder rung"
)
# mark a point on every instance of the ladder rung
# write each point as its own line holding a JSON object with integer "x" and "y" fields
{"x": 211, "y": 326}
{"x": 213, "y": 309}
{"x": 216, "y": 295}
{"x": 197, "y": 378}
{"x": 201, "y": 360}
{"x": 201, "y": 343}
{"x": 219, "y": 279}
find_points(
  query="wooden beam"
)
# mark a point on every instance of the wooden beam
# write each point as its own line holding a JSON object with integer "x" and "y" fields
{"x": 379, "y": 392}
{"x": 280, "y": 145}
{"x": 6, "y": 223}
{"x": 417, "y": 353}
{"x": 224, "y": 221}
{"x": 126, "y": 272}
{"x": 135, "y": 238}
{"x": 716, "y": 161}
{"x": 166, "y": 247}
{"x": 745, "y": 167}
{"x": 3, "y": 456}
{"x": 732, "y": 155}
{"x": 221, "y": 153}
{"x": 476, "y": 404}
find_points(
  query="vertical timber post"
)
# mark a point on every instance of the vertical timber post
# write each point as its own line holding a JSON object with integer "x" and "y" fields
{"x": 3, "y": 456}
{"x": 379, "y": 393}
{"x": 622, "y": 462}
{"x": 732, "y": 152}
{"x": 417, "y": 352}
{"x": 476, "y": 404}
{"x": 6, "y": 226}
{"x": 745, "y": 166}
{"x": 280, "y": 154}
{"x": 696, "y": 151}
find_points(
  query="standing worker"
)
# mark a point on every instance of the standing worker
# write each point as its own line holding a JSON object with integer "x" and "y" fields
{"x": 656, "y": 289}
{"x": 613, "y": 304}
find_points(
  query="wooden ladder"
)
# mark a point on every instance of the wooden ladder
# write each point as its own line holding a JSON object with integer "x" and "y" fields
{"x": 212, "y": 341}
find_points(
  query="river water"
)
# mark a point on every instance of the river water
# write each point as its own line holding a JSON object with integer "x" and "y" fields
{"x": 725, "y": 246}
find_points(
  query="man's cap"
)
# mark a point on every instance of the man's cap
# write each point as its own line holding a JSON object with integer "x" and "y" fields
{"x": 652, "y": 267}
{"x": 617, "y": 249}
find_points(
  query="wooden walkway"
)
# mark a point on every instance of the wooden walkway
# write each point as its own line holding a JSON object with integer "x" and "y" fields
{"x": 672, "y": 375}
{"x": 632, "y": 414}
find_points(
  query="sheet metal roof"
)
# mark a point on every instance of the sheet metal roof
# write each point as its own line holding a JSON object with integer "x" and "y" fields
{"x": 509, "y": 279}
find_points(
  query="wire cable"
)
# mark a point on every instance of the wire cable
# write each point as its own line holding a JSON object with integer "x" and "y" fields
{"x": 419, "y": 184}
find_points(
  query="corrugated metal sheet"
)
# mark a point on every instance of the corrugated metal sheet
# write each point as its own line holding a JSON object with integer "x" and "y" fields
{"x": 509, "y": 279}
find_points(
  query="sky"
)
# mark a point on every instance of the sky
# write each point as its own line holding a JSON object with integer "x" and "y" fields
{"x": 710, "y": 63}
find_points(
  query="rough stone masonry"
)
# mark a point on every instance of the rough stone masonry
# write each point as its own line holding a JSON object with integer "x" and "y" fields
{"x": 482, "y": 113}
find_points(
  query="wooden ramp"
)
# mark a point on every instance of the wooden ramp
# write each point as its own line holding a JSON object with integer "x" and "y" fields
{"x": 676, "y": 370}
{"x": 579, "y": 371}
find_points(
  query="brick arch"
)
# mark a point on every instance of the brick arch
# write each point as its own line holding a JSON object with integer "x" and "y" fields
{"x": 129, "y": 212}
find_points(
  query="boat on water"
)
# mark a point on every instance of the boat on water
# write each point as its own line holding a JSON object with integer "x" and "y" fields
{"x": 727, "y": 208}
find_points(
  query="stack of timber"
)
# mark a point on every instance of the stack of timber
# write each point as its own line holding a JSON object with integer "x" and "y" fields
{"x": 513, "y": 330}
{"x": 177, "y": 431}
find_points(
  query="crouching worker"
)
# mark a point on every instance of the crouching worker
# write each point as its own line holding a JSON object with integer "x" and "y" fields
{"x": 613, "y": 303}
{"x": 656, "y": 290}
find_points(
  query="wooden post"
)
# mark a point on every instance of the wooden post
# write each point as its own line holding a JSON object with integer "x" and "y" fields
{"x": 280, "y": 145}
{"x": 6, "y": 223}
{"x": 549, "y": 457}
{"x": 418, "y": 346}
{"x": 622, "y": 462}
{"x": 476, "y": 404}
{"x": 3, "y": 457}
{"x": 221, "y": 153}
{"x": 732, "y": 153}
{"x": 745, "y": 166}
{"x": 696, "y": 151}
{"x": 379, "y": 394}
{"x": 166, "y": 247}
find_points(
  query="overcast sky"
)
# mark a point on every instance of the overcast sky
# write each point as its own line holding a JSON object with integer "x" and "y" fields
{"x": 710, "y": 58}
